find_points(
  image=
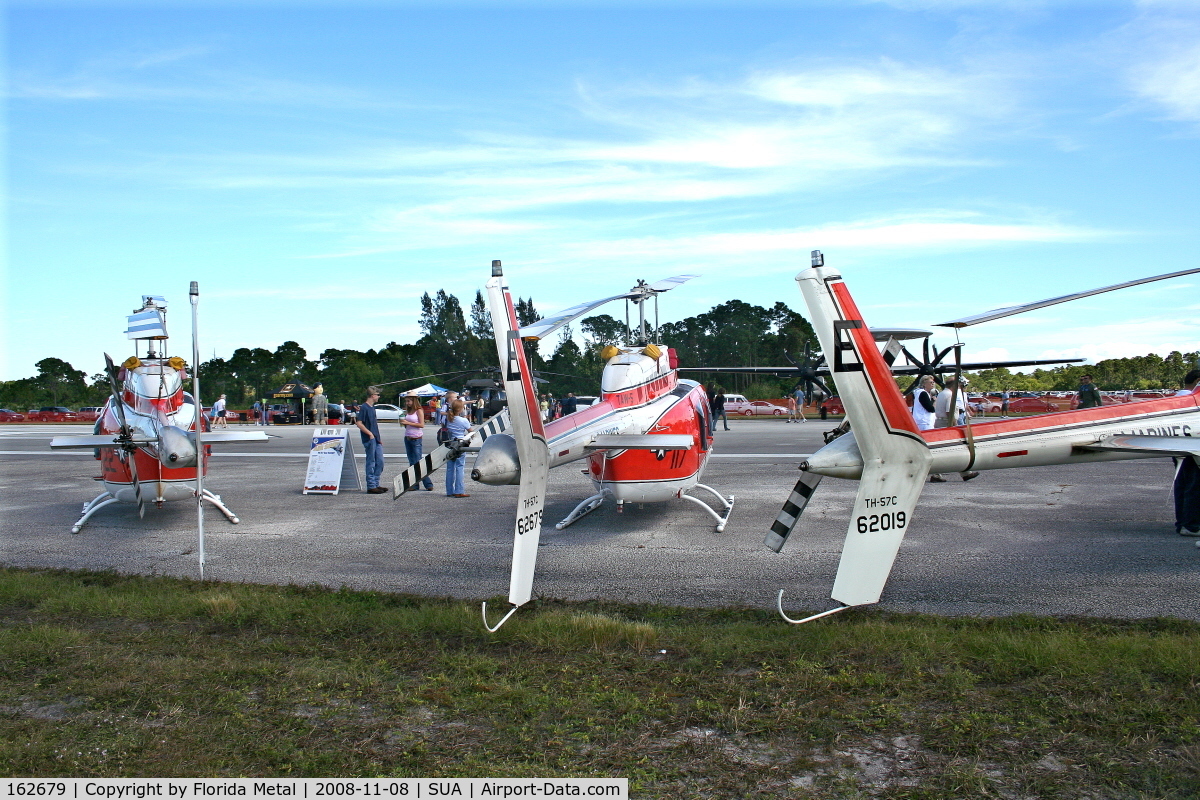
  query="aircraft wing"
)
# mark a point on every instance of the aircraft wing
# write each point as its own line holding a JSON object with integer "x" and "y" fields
{"x": 645, "y": 441}
{"x": 1147, "y": 445}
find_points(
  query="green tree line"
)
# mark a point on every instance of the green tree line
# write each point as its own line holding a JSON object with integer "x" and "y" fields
{"x": 455, "y": 340}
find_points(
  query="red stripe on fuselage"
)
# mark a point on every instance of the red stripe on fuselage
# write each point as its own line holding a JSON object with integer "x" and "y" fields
{"x": 894, "y": 410}
{"x": 1044, "y": 423}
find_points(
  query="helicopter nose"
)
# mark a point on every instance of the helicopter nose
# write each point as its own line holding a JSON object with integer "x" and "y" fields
{"x": 497, "y": 463}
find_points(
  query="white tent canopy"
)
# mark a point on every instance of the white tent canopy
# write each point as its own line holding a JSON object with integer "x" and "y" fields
{"x": 428, "y": 390}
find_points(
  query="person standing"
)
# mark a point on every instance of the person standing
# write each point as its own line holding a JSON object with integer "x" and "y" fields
{"x": 257, "y": 412}
{"x": 1187, "y": 478}
{"x": 218, "y": 413}
{"x": 791, "y": 408}
{"x": 459, "y": 426}
{"x": 954, "y": 390}
{"x": 570, "y": 404}
{"x": 444, "y": 409}
{"x": 951, "y": 394}
{"x": 1004, "y": 403}
{"x": 923, "y": 410}
{"x": 1089, "y": 395}
{"x": 718, "y": 408}
{"x": 368, "y": 426}
{"x": 414, "y": 434}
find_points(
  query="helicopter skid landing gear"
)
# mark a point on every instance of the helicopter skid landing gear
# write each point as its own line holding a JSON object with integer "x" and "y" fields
{"x": 727, "y": 502}
{"x": 586, "y": 507}
{"x": 215, "y": 499}
{"x": 91, "y": 508}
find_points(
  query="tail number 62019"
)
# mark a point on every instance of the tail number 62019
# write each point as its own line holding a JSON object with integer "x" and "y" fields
{"x": 882, "y": 522}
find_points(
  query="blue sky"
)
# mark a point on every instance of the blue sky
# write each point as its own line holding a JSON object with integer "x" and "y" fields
{"x": 318, "y": 166}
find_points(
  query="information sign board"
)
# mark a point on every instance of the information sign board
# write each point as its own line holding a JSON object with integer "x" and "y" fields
{"x": 331, "y": 462}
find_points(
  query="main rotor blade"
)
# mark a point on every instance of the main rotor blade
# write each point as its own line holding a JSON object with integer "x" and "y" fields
{"x": 978, "y": 365}
{"x": 666, "y": 284}
{"x": 435, "y": 375}
{"x": 997, "y": 313}
{"x": 548, "y": 325}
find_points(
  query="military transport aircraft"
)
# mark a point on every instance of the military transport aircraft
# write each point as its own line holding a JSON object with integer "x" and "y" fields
{"x": 891, "y": 458}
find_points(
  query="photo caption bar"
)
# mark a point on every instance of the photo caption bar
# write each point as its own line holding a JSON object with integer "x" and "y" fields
{"x": 256, "y": 789}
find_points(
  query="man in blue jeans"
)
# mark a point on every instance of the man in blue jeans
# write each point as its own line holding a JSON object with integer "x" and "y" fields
{"x": 368, "y": 425}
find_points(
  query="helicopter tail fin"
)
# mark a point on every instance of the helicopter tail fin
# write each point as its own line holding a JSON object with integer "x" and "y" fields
{"x": 895, "y": 457}
{"x": 526, "y": 428}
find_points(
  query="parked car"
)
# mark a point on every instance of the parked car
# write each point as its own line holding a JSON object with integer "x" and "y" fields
{"x": 386, "y": 412}
{"x": 89, "y": 413}
{"x": 983, "y": 404}
{"x": 8, "y": 415}
{"x": 736, "y": 404}
{"x": 833, "y": 405}
{"x": 53, "y": 414}
{"x": 583, "y": 401}
{"x": 1030, "y": 405}
{"x": 761, "y": 408}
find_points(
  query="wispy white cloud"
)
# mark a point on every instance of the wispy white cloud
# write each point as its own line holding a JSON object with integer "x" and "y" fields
{"x": 1161, "y": 47}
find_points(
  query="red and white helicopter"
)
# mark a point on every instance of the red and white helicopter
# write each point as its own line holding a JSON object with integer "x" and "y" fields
{"x": 891, "y": 458}
{"x": 647, "y": 440}
{"x": 147, "y": 438}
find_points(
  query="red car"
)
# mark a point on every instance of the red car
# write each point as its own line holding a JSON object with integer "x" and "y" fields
{"x": 761, "y": 408}
{"x": 53, "y": 414}
{"x": 833, "y": 405}
{"x": 8, "y": 415}
{"x": 1030, "y": 405}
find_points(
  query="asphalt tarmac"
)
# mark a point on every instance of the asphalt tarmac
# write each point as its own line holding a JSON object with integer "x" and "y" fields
{"x": 1088, "y": 540}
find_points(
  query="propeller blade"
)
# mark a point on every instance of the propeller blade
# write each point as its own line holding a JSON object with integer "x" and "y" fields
{"x": 129, "y": 449}
{"x": 789, "y": 517}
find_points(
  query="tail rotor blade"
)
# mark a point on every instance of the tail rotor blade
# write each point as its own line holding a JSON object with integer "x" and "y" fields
{"x": 789, "y": 516}
{"x": 434, "y": 460}
{"x": 137, "y": 485}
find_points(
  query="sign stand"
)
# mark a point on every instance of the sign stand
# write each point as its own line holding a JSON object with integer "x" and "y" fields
{"x": 331, "y": 462}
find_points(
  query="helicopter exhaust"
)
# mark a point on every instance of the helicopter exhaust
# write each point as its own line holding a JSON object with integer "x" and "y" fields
{"x": 497, "y": 463}
{"x": 176, "y": 447}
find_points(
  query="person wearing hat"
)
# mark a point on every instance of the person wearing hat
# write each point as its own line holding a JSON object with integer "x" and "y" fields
{"x": 954, "y": 391}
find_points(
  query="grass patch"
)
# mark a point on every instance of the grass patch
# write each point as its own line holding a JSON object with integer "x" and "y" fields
{"x": 109, "y": 675}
